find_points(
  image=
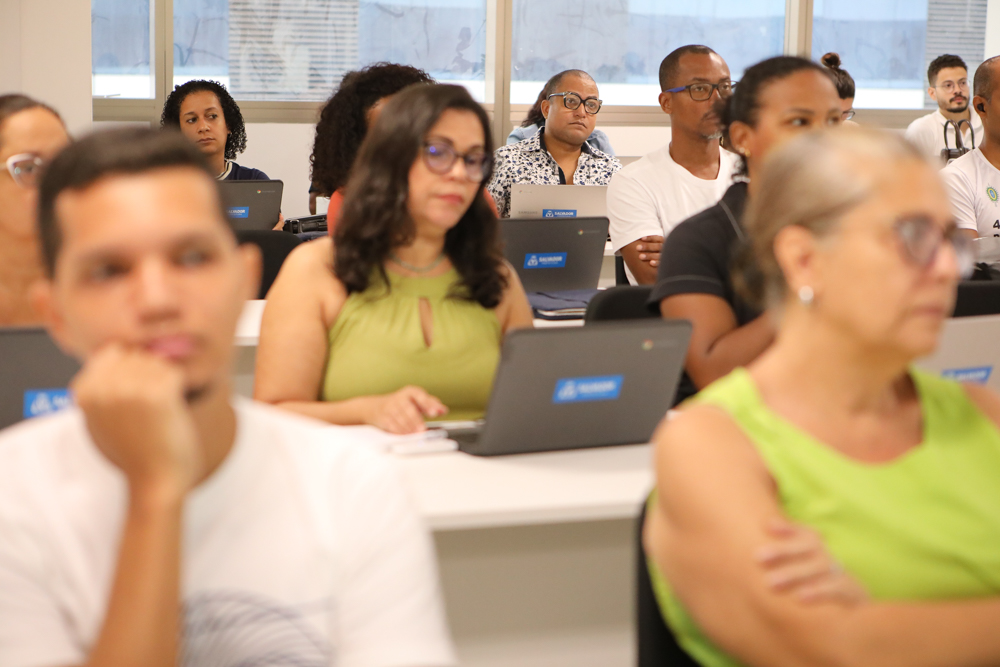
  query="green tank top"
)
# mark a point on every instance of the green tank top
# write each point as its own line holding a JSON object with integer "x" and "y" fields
{"x": 925, "y": 526}
{"x": 377, "y": 345}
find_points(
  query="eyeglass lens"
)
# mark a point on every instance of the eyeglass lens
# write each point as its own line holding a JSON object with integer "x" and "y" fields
{"x": 572, "y": 101}
{"x": 25, "y": 169}
{"x": 702, "y": 91}
{"x": 921, "y": 240}
{"x": 440, "y": 158}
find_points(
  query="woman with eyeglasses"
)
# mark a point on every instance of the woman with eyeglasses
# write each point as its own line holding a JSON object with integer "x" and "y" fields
{"x": 31, "y": 133}
{"x": 844, "y": 82}
{"x": 776, "y": 100}
{"x": 857, "y": 256}
{"x": 399, "y": 317}
{"x": 558, "y": 154}
{"x": 535, "y": 119}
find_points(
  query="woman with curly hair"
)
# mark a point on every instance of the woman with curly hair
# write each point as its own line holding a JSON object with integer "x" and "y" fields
{"x": 399, "y": 317}
{"x": 207, "y": 114}
{"x": 345, "y": 120}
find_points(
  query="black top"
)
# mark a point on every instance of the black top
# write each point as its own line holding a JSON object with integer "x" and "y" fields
{"x": 239, "y": 173}
{"x": 696, "y": 259}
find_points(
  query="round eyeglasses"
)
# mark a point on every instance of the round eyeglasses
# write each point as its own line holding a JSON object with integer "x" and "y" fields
{"x": 572, "y": 101}
{"x": 441, "y": 157}
{"x": 920, "y": 239}
{"x": 25, "y": 169}
{"x": 702, "y": 91}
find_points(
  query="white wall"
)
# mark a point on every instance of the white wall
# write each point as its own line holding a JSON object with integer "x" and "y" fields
{"x": 281, "y": 150}
{"x": 45, "y": 53}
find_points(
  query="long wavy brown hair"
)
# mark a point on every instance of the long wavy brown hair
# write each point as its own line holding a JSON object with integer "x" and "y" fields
{"x": 375, "y": 219}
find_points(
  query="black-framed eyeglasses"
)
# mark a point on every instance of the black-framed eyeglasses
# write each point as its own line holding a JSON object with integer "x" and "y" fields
{"x": 847, "y": 115}
{"x": 572, "y": 101}
{"x": 920, "y": 240}
{"x": 440, "y": 158}
{"x": 703, "y": 90}
{"x": 25, "y": 169}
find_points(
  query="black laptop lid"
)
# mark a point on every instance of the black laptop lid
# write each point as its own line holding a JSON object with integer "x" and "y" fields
{"x": 574, "y": 387}
{"x": 254, "y": 205}
{"x": 556, "y": 254}
{"x": 34, "y": 374}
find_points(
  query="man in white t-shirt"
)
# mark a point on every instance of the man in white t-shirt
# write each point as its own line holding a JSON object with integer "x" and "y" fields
{"x": 649, "y": 197}
{"x": 973, "y": 180}
{"x": 161, "y": 522}
{"x": 948, "y": 79}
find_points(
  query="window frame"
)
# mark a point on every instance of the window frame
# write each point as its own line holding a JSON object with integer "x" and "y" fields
{"x": 499, "y": 40}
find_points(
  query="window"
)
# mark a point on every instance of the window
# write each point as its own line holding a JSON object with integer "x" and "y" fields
{"x": 298, "y": 50}
{"x": 121, "y": 50}
{"x": 886, "y": 45}
{"x": 621, "y": 44}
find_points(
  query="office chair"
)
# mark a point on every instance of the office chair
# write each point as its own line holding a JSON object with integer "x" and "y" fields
{"x": 656, "y": 644}
{"x": 274, "y": 248}
{"x": 977, "y": 297}
{"x": 620, "y": 303}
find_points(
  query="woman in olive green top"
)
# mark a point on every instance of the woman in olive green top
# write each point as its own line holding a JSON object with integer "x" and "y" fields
{"x": 856, "y": 252}
{"x": 400, "y": 316}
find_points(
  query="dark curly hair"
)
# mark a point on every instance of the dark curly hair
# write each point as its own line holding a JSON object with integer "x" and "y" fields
{"x": 236, "y": 142}
{"x": 374, "y": 218}
{"x": 342, "y": 122}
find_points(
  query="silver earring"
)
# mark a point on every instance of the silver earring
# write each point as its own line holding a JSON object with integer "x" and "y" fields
{"x": 806, "y": 295}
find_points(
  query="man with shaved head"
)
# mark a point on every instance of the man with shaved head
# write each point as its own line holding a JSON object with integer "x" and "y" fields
{"x": 649, "y": 197}
{"x": 973, "y": 180}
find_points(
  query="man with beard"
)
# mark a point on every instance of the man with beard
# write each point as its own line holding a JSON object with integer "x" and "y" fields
{"x": 649, "y": 197}
{"x": 948, "y": 77}
{"x": 973, "y": 180}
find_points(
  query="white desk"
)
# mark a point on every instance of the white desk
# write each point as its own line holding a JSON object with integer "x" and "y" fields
{"x": 536, "y": 552}
{"x": 456, "y": 491}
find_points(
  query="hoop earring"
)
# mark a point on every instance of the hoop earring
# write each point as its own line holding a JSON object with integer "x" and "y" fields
{"x": 806, "y": 295}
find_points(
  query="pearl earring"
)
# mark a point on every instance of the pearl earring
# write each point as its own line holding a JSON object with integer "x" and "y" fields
{"x": 806, "y": 295}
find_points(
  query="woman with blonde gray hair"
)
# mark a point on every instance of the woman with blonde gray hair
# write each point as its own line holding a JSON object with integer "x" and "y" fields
{"x": 857, "y": 257}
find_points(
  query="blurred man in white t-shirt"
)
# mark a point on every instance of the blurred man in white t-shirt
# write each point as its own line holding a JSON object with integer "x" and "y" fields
{"x": 161, "y": 522}
{"x": 973, "y": 180}
{"x": 649, "y": 197}
{"x": 948, "y": 77}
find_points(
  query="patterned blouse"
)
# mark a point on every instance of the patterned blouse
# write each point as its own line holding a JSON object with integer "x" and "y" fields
{"x": 528, "y": 162}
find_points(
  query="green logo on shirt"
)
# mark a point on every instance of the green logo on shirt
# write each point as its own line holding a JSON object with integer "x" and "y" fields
{"x": 991, "y": 192}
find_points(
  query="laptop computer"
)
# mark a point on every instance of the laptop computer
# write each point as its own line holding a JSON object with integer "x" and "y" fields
{"x": 558, "y": 201}
{"x": 555, "y": 254}
{"x": 252, "y": 205}
{"x": 34, "y": 374}
{"x": 608, "y": 383}
{"x": 967, "y": 351}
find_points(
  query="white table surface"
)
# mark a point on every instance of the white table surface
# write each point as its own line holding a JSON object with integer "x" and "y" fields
{"x": 457, "y": 491}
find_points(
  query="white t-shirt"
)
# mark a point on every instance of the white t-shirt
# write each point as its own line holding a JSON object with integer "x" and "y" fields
{"x": 927, "y": 134}
{"x": 654, "y": 194}
{"x": 973, "y": 184}
{"x": 302, "y": 545}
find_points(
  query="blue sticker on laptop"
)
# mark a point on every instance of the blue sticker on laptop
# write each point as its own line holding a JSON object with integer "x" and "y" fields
{"x": 580, "y": 390}
{"x": 545, "y": 260}
{"x": 39, "y": 402}
{"x": 977, "y": 375}
{"x": 558, "y": 212}
{"x": 239, "y": 211}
